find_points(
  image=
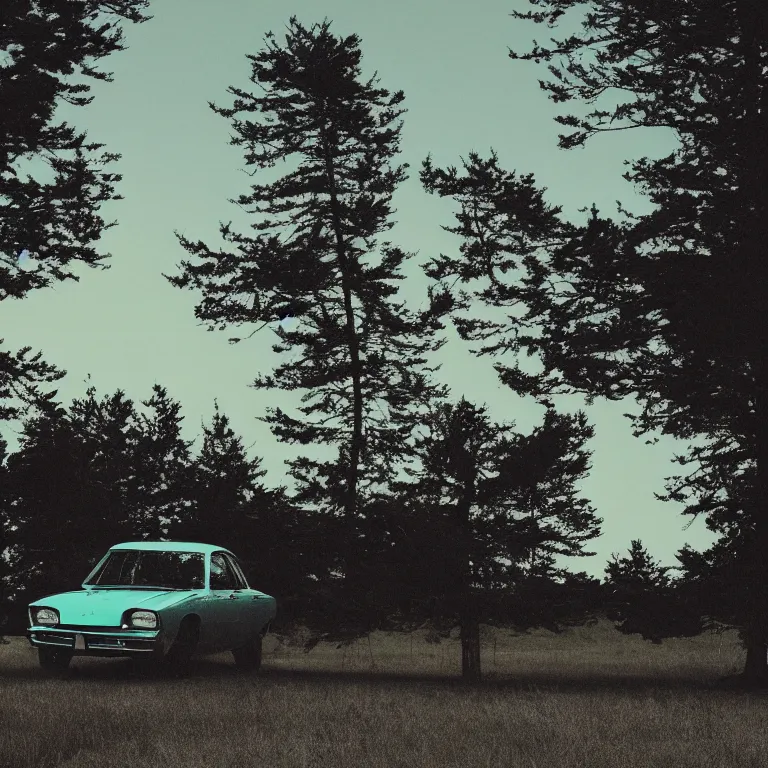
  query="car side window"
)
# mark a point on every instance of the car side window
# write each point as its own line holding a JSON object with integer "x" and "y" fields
{"x": 222, "y": 576}
{"x": 237, "y": 570}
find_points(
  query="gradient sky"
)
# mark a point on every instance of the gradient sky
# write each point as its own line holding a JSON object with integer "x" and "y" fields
{"x": 129, "y": 328}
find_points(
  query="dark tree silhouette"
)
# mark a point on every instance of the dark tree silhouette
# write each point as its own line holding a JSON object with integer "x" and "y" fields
{"x": 42, "y": 43}
{"x": 436, "y": 544}
{"x": 668, "y": 307}
{"x": 84, "y": 480}
{"x": 643, "y": 598}
{"x": 222, "y": 483}
{"x": 361, "y": 352}
{"x": 231, "y": 507}
{"x": 5, "y": 570}
{"x": 62, "y": 516}
{"x": 162, "y": 467}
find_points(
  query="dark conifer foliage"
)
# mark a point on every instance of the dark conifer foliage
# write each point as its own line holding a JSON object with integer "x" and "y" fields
{"x": 228, "y": 505}
{"x": 222, "y": 483}
{"x": 162, "y": 469}
{"x": 361, "y": 358}
{"x": 643, "y": 599}
{"x": 85, "y": 479}
{"x": 41, "y": 43}
{"x": 65, "y": 499}
{"x": 482, "y": 494}
{"x": 101, "y": 473}
{"x": 5, "y": 569}
{"x": 668, "y": 307}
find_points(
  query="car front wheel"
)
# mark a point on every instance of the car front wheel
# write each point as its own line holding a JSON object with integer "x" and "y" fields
{"x": 179, "y": 659}
{"x": 55, "y": 660}
{"x": 248, "y": 658}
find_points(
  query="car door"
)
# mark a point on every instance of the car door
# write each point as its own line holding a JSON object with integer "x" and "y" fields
{"x": 227, "y": 628}
{"x": 251, "y": 613}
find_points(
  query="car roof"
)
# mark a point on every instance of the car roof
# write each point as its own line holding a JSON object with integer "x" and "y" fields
{"x": 171, "y": 546}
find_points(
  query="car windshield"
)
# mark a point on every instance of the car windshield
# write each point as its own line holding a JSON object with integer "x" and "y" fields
{"x": 148, "y": 569}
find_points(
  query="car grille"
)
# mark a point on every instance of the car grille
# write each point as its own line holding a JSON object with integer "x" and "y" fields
{"x": 95, "y": 641}
{"x": 55, "y": 638}
{"x": 88, "y": 628}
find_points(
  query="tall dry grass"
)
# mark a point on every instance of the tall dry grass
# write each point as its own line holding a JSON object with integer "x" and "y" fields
{"x": 588, "y": 698}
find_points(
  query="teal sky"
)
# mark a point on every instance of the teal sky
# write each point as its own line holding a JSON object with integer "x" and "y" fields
{"x": 129, "y": 328}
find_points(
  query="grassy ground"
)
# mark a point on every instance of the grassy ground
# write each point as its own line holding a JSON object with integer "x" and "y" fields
{"x": 590, "y": 698}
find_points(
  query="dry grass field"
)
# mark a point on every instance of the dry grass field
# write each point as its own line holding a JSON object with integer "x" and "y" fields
{"x": 591, "y": 698}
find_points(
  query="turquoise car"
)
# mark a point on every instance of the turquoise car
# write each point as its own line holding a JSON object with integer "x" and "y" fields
{"x": 160, "y": 603}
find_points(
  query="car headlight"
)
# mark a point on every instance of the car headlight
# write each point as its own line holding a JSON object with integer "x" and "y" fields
{"x": 45, "y": 616}
{"x": 143, "y": 619}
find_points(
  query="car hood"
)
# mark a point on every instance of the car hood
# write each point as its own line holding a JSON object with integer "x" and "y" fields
{"x": 105, "y": 607}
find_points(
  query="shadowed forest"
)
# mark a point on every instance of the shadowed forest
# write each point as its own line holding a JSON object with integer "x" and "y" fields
{"x": 432, "y": 520}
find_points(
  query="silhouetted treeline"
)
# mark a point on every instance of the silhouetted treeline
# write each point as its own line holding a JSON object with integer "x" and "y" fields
{"x": 105, "y": 471}
{"x": 665, "y": 308}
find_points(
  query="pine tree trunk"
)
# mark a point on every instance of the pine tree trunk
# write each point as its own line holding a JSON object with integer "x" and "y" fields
{"x": 751, "y": 578}
{"x": 755, "y": 173}
{"x": 754, "y": 633}
{"x": 353, "y": 555}
{"x": 755, "y": 628}
{"x": 470, "y": 646}
{"x": 755, "y": 667}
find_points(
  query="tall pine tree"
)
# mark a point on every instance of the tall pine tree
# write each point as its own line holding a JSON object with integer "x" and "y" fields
{"x": 361, "y": 358}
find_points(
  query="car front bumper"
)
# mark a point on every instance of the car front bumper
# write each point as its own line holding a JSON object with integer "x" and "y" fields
{"x": 91, "y": 641}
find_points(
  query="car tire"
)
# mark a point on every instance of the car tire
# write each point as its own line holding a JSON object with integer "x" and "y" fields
{"x": 54, "y": 660}
{"x": 178, "y": 660}
{"x": 248, "y": 658}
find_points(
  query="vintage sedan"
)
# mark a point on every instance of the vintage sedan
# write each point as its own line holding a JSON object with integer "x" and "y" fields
{"x": 159, "y": 603}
